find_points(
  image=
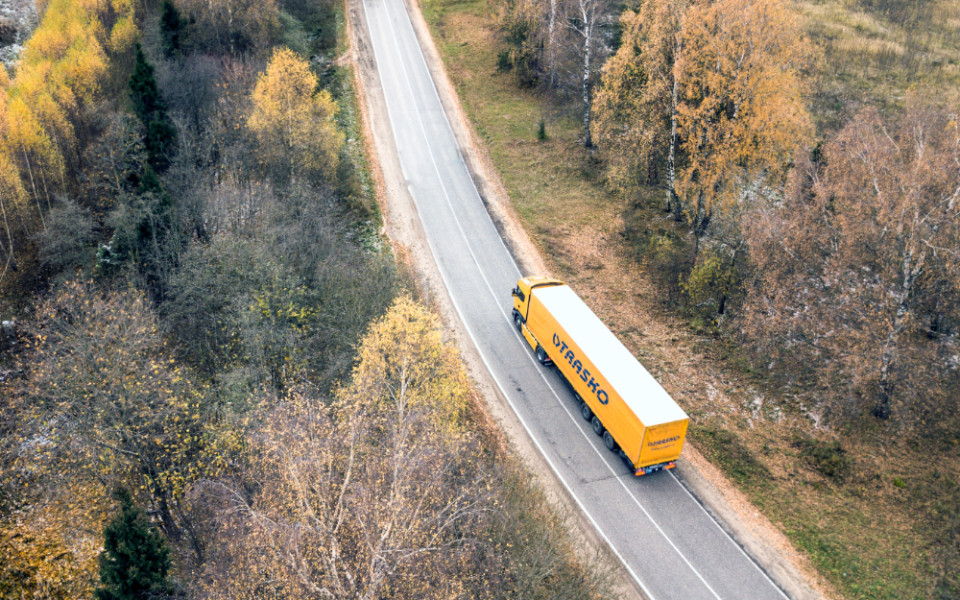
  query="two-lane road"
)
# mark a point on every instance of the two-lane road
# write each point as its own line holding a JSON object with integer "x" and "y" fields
{"x": 668, "y": 543}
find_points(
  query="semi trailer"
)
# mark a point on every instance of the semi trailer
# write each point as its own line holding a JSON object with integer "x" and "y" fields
{"x": 623, "y": 402}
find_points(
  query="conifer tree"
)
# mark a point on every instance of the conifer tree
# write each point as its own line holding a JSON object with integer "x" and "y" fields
{"x": 135, "y": 557}
{"x": 171, "y": 28}
{"x": 149, "y": 106}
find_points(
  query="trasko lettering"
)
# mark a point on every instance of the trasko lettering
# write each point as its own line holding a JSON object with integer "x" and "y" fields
{"x": 568, "y": 355}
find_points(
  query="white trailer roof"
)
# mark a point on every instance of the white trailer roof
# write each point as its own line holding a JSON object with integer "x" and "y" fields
{"x": 638, "y": 388}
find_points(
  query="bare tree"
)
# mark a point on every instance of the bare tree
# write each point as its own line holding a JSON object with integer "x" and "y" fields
{"x": 384, "y": 491}
{"x": 859, "y": 266}
{"x": 584, "y": 19}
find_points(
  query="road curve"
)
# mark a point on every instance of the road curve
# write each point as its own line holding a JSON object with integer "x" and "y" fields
{"x": 668, "y": 543}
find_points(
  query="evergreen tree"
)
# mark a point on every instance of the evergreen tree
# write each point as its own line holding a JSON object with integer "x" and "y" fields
{"x": 149, "y": 106}
{"x": 171, "y": 28}
{"x": 135, "y": 558}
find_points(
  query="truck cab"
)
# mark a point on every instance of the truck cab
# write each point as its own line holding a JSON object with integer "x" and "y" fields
{"x": 521, "y": 295}
{"x": 521, "y": 308}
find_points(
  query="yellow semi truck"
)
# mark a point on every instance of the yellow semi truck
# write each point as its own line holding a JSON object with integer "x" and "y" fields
{"x": 636, "y": 417}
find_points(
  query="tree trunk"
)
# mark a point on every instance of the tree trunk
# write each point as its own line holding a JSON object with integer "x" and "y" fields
{"x": 673, "y": 204}
{"x": 587, "y": 35}
{"x": 551, "y": 44}
{"x": 33, "y": 186}
{"x": 699, "y": 223}
{"x": 9, "y": 244}
{"x": 888, "y": 356}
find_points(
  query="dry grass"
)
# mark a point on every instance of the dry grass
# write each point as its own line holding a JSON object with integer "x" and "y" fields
{"x": 860, "y": 514}
{"x": 879, "y": 52}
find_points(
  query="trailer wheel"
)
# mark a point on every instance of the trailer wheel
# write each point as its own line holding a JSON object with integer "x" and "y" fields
{"x": 518, "y": 321}
{"x": 597, "y": 425}
{"x": 609, "y": 442}
{"x": 585, "y": 411}
{"x": 542, "y": 355}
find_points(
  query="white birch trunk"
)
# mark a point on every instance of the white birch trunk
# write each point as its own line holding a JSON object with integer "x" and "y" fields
{"x": 587, "y": 141}
{"x": 673, "y": 204}
{"x": 552, "y": 44}
{"x": 909, "y": 272}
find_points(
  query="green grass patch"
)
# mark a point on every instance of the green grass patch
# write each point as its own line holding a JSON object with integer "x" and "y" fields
{"x": 725, "y": 449}
{"x": 827, "y": 457}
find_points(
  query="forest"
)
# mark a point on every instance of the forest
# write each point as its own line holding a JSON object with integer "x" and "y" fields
{"x": 828, "y": 245}
{"x": 215, "y": 379}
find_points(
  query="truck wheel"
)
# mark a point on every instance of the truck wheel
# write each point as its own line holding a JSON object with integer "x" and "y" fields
{"x": 609, "y": 442}
{"x": 585, "y": 411}
{"x": 597, "y": 425}
{"x": 542, "y": 355}
{"x": 518, "y": 321}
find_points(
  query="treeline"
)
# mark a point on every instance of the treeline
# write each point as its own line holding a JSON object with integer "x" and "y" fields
{"x": 831, "y": 255}
{"x": 217, "y": 388}
{"x": 45, "y": 117}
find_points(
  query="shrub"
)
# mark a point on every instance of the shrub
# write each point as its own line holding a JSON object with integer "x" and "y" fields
{"x": 827, "y": 458}
{"x": 67, "y": 242}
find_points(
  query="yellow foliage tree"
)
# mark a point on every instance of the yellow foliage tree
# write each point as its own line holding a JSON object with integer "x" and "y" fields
{"x": 12, "y": 201}
{"x": 35, "y": 154}
{"x": 110, "y": 404}
{"x": 49, "y": 553}
{"x": 741, "y": 114}
{"x": 293, "y": 121}
{"x": 61, "y": 70}
{"x": 404, "y": 365}
{"x": 377, "y": 497}
{"x": 636, "y": 105}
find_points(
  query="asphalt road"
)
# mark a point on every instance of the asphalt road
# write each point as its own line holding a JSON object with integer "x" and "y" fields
{"x": 671, "y": 546}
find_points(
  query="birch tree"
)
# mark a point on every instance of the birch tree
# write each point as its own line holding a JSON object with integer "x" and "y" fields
{"x": 859, "y": 268}
{"x": 378, "y": 495}
{"x": 712, "y": 92}
{"x": 553, "y": 16}
{"x": 294, "y": 121}
{"x": 636, "y": 103}
{"x": 741, "y": 113}
{"x": 584, "y": 20}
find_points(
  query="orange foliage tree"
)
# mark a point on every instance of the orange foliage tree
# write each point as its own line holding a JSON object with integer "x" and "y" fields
{"x": 742, "y": 114}
{"x": 636, "y": 104}
{"x": 714, "y": 90}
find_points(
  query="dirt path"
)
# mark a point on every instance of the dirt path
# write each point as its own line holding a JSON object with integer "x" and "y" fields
{"x": 756, "y": 535}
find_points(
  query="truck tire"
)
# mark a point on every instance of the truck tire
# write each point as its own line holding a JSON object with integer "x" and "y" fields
{"x": 609, "y": 442}
{"x": 597, "y": 425}
{"x": 585, "y": 411}
{"x": 518, "y": 321}
{"x": 542, "y": 355}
